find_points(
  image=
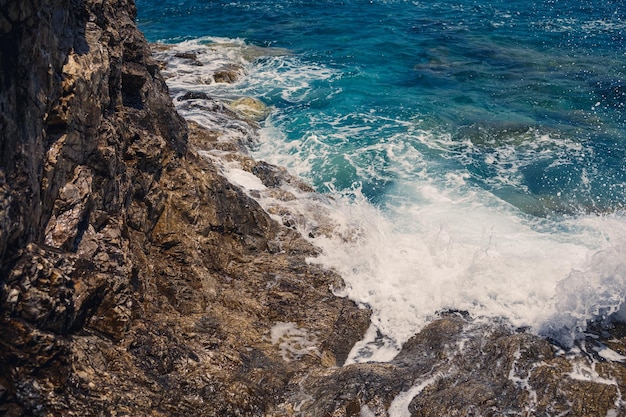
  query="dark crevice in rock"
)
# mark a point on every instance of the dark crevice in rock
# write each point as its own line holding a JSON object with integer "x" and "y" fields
{"x": 132, "y": 83}
{"x": 82, "y": 227}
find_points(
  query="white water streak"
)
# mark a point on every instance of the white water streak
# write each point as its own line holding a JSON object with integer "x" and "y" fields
{"x": 400, "y": 405}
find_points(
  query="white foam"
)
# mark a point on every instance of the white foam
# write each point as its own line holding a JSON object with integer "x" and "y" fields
{"x": 436, "y": 242}
{"x": 596, "y": 290}
{"x": 471, "y": 252}
{"x": 244, "y": 179}
{"x": 399, "y": 407}
{"x": 523, "y": 381}
{"x": 366, "y": 412}
{"x": 374, "y": 347}
{"x": 293, "y": 341}
{"x": 587, "y": 372}
{"x": 610, "y": 354}
{"x": 262, "y": 71}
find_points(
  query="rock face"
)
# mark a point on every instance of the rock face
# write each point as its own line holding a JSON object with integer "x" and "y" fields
{"x": 133, "y": 277}
{"x": 136, "y": 280}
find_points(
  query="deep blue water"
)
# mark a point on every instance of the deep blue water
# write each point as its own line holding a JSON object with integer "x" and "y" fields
{"x": 486, "y": 138}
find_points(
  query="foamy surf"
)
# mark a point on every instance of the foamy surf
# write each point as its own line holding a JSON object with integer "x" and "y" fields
{"x": 434, "y": 240}
{"x": 468, "y": 256}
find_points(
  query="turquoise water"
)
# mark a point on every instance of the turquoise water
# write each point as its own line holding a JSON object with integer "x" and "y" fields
{"x": 479, "y": 145}
{"x": 494, "y": 73}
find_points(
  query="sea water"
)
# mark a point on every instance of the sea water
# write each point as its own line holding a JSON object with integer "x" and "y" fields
{"x": 472, "y": 152}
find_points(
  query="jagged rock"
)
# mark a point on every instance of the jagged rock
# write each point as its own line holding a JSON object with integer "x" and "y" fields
{"x": 134, "y": 279}
{"x": 459, "y": 367}
{"x": 193, "y": 95}
{"x": 191, "y": 56}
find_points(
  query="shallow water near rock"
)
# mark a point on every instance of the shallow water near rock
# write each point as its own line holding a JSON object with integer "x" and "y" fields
{"x": 473, "y": 153}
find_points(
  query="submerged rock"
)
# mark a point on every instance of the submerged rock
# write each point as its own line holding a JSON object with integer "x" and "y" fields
{"x": 229, "y": 73}
{"x": 250, "y": 107}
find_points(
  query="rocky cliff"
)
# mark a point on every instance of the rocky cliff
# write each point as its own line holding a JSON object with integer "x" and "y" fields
{"x": 136, "y": 280}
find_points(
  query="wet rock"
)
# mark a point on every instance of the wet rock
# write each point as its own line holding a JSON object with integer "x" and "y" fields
{"x": 193, "y": 95}
{"x": 458, "y": 367}
{"x": 269, "y": 175}
{"x": 250, "y": 107}
{"x": 190, "y": 56}
{"x": 229, "y": 73}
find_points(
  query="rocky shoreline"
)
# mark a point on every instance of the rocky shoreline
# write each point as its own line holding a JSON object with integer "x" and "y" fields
{"x": 136, "y": 280}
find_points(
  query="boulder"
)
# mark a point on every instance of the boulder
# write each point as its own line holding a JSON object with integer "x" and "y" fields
{"x": 229, "y": 73}
{"x": 250, "y": 108}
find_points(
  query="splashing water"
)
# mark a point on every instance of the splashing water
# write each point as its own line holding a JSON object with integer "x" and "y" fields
{"x": 472, "y": 155}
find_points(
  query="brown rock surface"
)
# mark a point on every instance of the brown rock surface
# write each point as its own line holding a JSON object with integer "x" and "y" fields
{"x": 136, "y": 280}
{"x": 458, "y": 367}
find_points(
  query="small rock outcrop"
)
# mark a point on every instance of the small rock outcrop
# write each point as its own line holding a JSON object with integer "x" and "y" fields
{"x": 136, "y": 280}
{"x": 230, "y": 73}
{"x": 460, "y": 367}
{"x": 250, "y": 107}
